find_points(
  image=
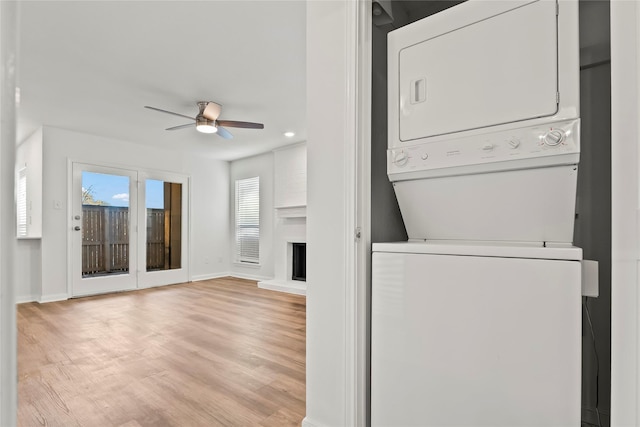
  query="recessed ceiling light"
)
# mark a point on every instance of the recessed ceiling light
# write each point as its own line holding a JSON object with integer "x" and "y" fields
{"x": 289, "y": 134}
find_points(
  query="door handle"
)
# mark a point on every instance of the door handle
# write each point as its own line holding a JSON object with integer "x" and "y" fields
{"x": 77, "y": 228}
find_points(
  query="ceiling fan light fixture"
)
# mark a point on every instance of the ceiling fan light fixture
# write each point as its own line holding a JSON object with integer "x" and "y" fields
{"x": 207, "y": 120}
{"x": 206, "y": 126}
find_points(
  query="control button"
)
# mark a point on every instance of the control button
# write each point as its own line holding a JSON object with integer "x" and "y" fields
{"x": 487, "y": 147}
{"x": 400, "y": 158}
{"x": 425, "y": 156}
{"x": 514, "y": 143}
{"x": 553, "y": 138}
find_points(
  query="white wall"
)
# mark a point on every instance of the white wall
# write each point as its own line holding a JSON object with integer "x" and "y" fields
{"x": 327, "y": 190}
{"x": 625, "y": 143}
{"x": 209, "y": 209}
{"x": 262, "y": 166}
{"x": 28, "y": 270}
{"x": 209, "y": 229}
{"x": 290, "y": 176}
{"x": 8, "y": 370}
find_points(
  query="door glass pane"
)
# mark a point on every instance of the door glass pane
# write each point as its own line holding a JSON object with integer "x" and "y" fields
{"x": 105, "y": 224}
{"x": 164, "y": 224}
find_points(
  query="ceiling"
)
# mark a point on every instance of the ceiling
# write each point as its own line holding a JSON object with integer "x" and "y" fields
{"x": 91, "y": 66}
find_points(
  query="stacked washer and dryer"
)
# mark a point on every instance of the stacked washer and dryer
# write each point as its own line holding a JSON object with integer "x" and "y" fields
{"x": 476, "y": 320}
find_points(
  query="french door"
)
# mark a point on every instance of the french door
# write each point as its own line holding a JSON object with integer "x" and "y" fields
{"x": 128, "y": 230}
{"x": 163, "y": 219}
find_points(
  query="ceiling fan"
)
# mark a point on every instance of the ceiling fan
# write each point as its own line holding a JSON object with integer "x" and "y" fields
{"x": 207, "y": 120}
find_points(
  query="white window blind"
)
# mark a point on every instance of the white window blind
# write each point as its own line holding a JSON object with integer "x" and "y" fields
{"x": 21, "y": 203}
{"x": 248, "y": 220}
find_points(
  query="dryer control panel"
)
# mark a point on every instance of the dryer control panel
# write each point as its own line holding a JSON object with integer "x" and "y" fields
{"x": 543, "y": 142}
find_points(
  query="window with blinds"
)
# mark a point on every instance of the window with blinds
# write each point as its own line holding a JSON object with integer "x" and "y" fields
{"x": 248, "y": 220}
{"x": 21, "y": 203}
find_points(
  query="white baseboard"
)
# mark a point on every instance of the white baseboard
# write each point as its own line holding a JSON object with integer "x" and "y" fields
{"x": 288, "y": 286}
{"x": 249, "y": 276}
{"x": 53, "y": 298}
{"x": 306, "y": 422}
{"x": 210, "y": 276}
{"x": 229, "y": 274}
{"x": 26, "y": 298}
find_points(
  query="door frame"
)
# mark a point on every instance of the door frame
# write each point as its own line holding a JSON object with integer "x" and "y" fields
{"x": 186, "y": 203}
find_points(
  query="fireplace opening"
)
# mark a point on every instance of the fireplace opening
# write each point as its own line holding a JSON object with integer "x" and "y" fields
{"x": 299, "y": 262}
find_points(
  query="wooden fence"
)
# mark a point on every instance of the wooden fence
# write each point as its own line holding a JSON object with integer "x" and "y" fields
{"x": 155, "y": 239}
{"x": 105, "y": 240}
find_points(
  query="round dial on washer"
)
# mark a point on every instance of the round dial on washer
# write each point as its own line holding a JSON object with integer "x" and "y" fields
{"x": 553, "y": 138}
{"x": 400, "y": 158}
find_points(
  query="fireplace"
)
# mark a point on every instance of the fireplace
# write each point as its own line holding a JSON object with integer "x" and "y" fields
{"x": 299, "y": 261}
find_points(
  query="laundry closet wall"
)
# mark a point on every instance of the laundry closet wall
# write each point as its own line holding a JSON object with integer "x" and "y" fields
{"x": 593, "y": 207}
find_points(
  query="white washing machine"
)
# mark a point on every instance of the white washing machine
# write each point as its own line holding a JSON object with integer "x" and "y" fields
{"x": 476, "y": 320}
{"x": 475, "y": 335}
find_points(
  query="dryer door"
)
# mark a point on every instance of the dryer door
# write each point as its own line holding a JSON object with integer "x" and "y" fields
{"x": 479, "y": 64}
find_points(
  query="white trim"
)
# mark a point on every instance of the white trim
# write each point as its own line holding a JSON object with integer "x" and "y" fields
{"x": 306, "y": 422}
{"x": 8, "y": 246}
{"x": 70, "y": 163}
{"x": 249, "y": 276}
{"x": 291, "y": 211}
{"x": 350, "y": 221}
{"x": 357, "y": 209}
{"x": 362, "y": 309}
{"x": 26, "y": 299}
{"x": 287, "y": 286}
{"x": 257, "y": 266}
{"x": 53, "y": 298}
{"x": 625, "y": 213}
{"x": 201, "y": 277}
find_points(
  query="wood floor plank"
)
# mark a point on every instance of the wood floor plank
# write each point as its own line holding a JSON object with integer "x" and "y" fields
{"x": 219, "y": 352}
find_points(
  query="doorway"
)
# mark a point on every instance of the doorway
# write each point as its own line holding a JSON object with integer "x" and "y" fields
{"x": 128, "y": 229}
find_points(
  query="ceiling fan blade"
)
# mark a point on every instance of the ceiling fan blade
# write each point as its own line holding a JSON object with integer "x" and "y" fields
{"x": 235, "y": 124}
{"x": 212, "y": 110}
{"x": 224, "y": 133}
{"x": 181, "y": 126}
{"x": 169, "y": 112}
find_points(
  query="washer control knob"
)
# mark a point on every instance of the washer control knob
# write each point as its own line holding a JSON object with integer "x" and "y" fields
{"x": 424, "y": 156}
{"x": 400, "y": 158}
{"x": 553, "y": 138}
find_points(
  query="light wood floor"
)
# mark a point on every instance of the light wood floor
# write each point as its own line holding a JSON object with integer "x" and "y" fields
{"x": 213, "y": 353}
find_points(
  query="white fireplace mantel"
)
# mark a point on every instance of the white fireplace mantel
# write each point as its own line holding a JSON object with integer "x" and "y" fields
{"x": 292, "y": 211}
